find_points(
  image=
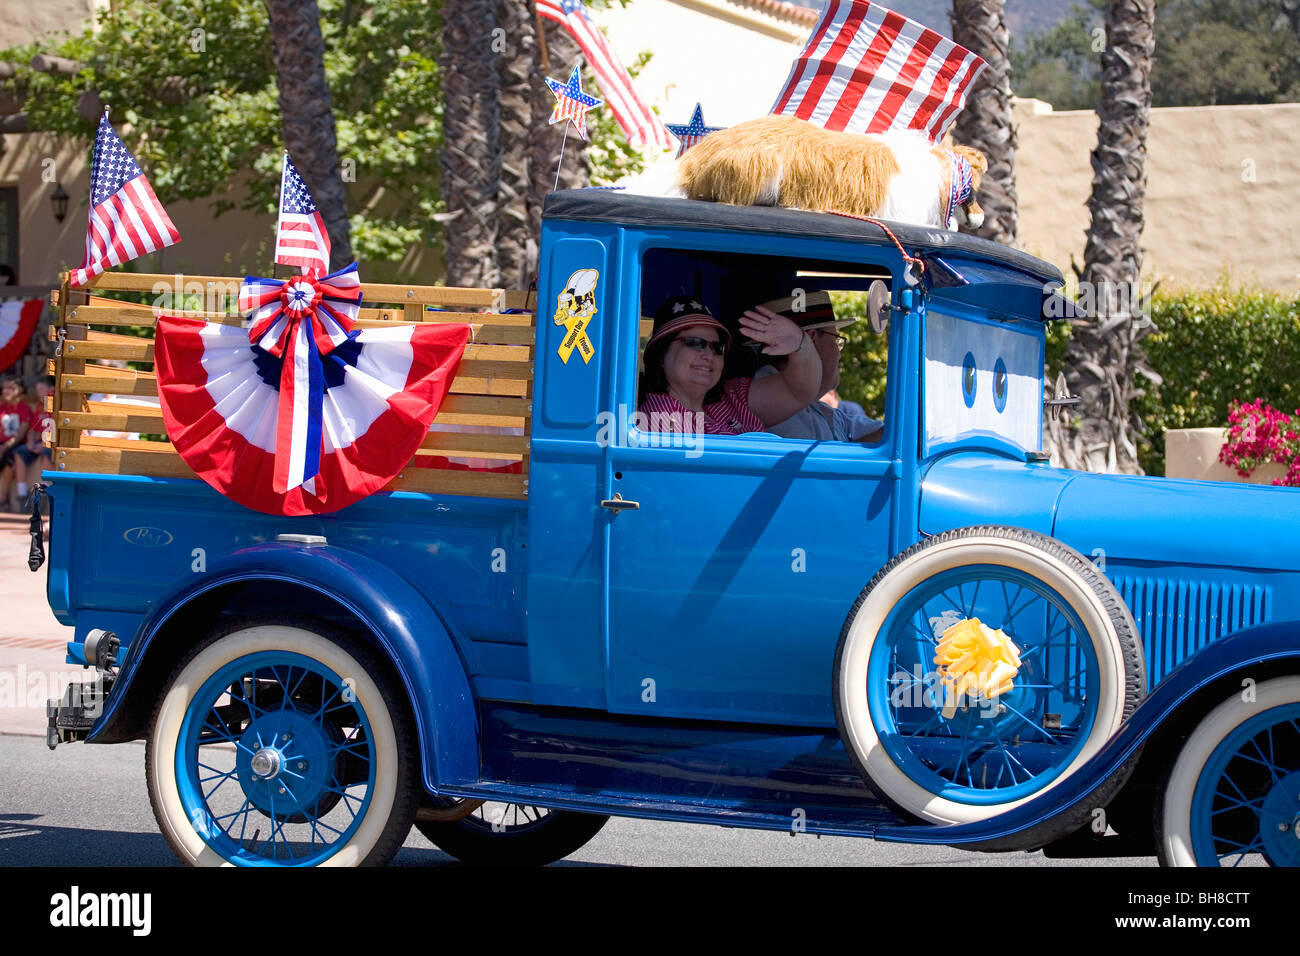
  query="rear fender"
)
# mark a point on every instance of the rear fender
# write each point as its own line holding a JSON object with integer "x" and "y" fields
{"x": 1197, "y": 684}
{"x": 400, "y": 622}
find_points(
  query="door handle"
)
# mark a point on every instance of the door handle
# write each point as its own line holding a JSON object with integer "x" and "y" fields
{"x": 618, "y": 503}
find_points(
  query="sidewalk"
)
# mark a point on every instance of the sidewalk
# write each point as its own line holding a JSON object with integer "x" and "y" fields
{"x": 31, "y": 640}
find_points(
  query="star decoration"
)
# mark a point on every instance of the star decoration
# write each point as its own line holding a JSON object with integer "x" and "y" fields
{"x": 571, "y": 103}
{"x": 691, "y": 133}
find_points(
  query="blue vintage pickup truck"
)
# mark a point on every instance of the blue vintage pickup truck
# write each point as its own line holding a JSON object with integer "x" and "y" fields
{"x": 570, "y": 616}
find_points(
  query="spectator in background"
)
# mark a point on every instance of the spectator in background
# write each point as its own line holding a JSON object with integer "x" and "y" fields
{"x": 7, "y": 275}
{"x": 41, "y": 434}
{"x": 16, "y": 420}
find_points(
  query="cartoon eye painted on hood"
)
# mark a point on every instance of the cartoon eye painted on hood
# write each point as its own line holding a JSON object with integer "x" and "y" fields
{"x": 1000, "y": 385}
{"x": 968, "y": 380}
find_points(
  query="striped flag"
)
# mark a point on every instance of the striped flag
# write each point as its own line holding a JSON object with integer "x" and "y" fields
{"x": 126, "y": 219}
{"x": 300, "y": 236}
{"x": 868, "y": 70}
{"x": 638, "y": 121}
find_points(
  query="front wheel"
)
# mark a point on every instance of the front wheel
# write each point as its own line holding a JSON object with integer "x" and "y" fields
{"x": 512, "y": 834}
{"x": 1233, "y": 795}
{"x": 946, "y": 755}
{"x": 278, "y": 744}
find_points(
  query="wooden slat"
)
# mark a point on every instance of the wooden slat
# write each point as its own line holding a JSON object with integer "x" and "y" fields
{"x": 445, "y": 295}
{"x": 480, "y": 361}
{"x": 501, "y": 330}
{"x": 440, "y": 481}
{"x": 469, "y": 444}
{"x": 139, "y": 419}
{"x": 490, "y": 386}
{"x": 154, "y": 464}
{"x": 128, "y": 444}
{"x": 456, "y": 410}
{"x": 109, "y": 384}
{"x": 373, "y": 291}
{"x": 117, "y": 461}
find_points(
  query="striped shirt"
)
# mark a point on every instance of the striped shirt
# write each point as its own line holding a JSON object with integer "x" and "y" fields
{"x": 730, "y": 415}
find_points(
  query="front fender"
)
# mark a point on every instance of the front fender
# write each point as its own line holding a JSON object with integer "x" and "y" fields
{"x": 402, "y": 621}
{"x": 1265, "y": 644}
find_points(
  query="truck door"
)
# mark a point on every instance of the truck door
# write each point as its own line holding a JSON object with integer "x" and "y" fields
{"x": 733, "y": 561}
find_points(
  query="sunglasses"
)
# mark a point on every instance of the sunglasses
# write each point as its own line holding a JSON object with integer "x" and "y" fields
{"x": 840, "y": 338}
{"x": 697, "y": 344}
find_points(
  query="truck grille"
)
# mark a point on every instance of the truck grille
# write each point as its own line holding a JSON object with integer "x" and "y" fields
{"x": 1176, "y": 618}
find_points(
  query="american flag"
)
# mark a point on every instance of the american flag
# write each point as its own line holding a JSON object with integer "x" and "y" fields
{"x": 638, "y": 121}
{"x": 689, "y": 134}
{"x": 867, "y": 70}
{"x": 300, "y": 236}
{"x": 571, "y": 103}
{"x": 126, "y": 219}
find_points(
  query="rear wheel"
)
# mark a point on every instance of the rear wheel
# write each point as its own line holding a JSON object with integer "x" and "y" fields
{"x": 279, "y": 744}
{"x": 513, "y": 834}
{"x": 1233, "y": 795}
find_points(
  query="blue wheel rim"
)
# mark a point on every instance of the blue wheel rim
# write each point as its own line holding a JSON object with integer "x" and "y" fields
{"x": 995, "y": 751}
{"x": 307, "y": 724}
{"x": 1248, "y": 790}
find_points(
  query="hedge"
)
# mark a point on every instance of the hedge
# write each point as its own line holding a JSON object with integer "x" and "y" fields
{"x": 1210, "y": 346}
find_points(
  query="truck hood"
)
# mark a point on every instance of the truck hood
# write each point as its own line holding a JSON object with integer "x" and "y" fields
{"x": 1128, "y": 518}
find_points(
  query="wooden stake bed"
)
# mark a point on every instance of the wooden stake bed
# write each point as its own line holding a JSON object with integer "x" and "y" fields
{"x": 107, "y": 351}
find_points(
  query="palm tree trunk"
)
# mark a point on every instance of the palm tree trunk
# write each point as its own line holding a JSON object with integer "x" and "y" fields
{"x": 1105, "y": 354}
{"x": 563, "y": 55}
{"x": 519, "y": 75}
{"x": 307, "y": 118}
{"x": 985, "y": 123}
{"x": 471, "y": 152}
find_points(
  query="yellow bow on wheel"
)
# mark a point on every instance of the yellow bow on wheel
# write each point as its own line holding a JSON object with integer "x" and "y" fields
{"x": 974, "y": 659}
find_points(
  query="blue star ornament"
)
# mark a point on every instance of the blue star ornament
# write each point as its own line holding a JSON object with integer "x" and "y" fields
{"x": 571, "y": 103}
{"x": 690, "y": 134}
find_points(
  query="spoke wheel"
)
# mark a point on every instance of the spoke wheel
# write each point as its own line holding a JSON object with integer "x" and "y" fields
{"x": 277, "y": 745}
{"x": 1233, "y": 795}
{"x": 513, "y": 834}
{"x": 942, "y": 759}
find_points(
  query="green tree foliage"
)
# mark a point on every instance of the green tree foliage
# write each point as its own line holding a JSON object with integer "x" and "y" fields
{"x": 1208, "y": 52}
{"x": 193, "y": 91}
{"x": 193, "y": 94}
{"x": 1062, "y": 65}
{"x": 1213, "y": 347}
{"x": 1226, "y": 51}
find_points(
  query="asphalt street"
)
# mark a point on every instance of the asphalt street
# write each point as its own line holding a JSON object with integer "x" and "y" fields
{"x": 85, "y": 805}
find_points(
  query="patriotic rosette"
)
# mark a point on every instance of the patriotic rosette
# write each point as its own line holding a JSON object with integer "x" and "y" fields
{"x": 300, "y": 413}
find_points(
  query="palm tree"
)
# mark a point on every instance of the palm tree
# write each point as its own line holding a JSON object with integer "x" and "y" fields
{"x": 519, "y": 75}
{"x": 1105, "y": 354}
{"x": 307, "y": 118}
{"x": 985, "y": 123}
{"x": 471, "y": 152}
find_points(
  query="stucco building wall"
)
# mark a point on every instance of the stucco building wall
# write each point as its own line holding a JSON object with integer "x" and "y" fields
{"x": 1223, "y": 184}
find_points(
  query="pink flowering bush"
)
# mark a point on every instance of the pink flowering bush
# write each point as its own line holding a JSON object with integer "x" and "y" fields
{"x": 1259, "y": 433}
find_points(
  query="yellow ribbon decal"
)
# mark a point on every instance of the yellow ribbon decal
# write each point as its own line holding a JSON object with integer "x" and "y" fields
{"x": 974, "y": 659}
{"x": 574, "y": 309}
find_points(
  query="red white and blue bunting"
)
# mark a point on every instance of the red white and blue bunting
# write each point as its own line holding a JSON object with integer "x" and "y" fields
{"x": 18, "y": 320}
{"x": 300, "y": 413}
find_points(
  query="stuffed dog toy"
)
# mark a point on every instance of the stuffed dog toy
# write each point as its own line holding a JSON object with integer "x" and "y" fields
{"x": 783, "y": 161}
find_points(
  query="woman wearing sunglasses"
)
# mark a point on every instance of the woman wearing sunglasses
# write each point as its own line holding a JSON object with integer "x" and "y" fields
{"x": 682, "y": 387}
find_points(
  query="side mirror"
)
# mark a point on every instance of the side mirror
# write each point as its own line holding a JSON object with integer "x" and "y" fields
{"x": 878, "y": 307}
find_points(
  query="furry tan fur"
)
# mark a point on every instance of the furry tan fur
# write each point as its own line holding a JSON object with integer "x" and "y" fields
{"x": 780, "y": 160}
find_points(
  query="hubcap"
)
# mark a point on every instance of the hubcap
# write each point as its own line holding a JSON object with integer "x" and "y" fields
{"x": 265, "y": 763}
{"x": 1279, "y": 821}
